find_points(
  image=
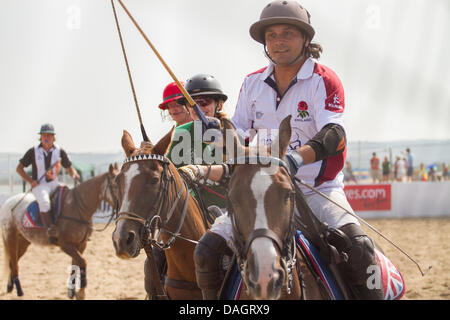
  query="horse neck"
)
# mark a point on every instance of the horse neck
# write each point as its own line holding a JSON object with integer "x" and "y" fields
{"x": 89, "y": 194}
{"x": 193, "y": 224}
{"x": 192, "y": 228}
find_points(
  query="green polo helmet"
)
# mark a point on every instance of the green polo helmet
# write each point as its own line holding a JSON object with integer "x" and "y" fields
{"x": 47, "y": 128}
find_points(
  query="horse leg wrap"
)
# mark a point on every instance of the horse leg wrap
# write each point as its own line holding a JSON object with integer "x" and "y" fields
{"x": 208, "y": 256}
{"x": 361, "y": 256}
{"x": 161, "y": 265}
{"x": 16, "y": 282}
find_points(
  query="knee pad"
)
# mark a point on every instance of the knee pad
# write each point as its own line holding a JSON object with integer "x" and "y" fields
{"x": 208, "y": 256}
{"x": 361, "y": 254}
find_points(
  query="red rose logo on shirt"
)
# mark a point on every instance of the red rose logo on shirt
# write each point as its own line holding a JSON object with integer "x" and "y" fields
{"x": 302, "y": 109}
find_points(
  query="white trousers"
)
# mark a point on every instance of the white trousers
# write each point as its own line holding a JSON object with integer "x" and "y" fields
{"x": 42, "y": 194}
{"x": 323, "y": 209}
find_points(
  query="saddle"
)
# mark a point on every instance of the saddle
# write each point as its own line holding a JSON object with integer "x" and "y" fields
{"x": 32, "y": 219}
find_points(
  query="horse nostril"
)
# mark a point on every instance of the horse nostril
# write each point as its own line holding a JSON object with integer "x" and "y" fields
{"x": 278, "y": 278}
{"x": 130, "y": 238}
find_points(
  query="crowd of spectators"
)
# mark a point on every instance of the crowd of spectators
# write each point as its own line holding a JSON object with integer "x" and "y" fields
{"x": 400, "y": 170}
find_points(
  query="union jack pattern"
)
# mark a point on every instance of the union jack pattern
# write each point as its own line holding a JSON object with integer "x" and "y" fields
{"x": 392, "y": 280}
{"x": 27, "y": 222}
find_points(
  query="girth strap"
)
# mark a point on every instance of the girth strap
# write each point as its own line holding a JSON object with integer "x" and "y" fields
{"x": 181, "y": 284}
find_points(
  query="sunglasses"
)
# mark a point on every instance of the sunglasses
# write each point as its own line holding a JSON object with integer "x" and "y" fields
{"x": 203, "y": 101}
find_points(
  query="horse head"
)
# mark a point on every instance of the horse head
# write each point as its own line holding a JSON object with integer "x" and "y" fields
{"x": 261, "y": 208}
{"x": 139, "y": 182}
{"x": 110, "y": 195}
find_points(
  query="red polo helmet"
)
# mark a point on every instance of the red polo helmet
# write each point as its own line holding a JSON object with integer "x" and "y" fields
{"x": 171, "y": 93}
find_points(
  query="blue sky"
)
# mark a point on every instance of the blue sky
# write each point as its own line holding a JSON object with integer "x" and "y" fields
{"x": 61, "y": 62}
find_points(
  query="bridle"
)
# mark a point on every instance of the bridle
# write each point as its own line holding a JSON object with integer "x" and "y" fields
{"x": 285, "y": 246}
{"x": 81, "y": 206}
{"x": 115, "y": 201}
{"x": 159, "y": 214}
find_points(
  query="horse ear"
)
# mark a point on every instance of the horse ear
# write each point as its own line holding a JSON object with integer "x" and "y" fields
{"x": 163, "y": 144}
{"x": 284, "y": 138}
{"x": 231, "y": 141}
{"x": 111, "y": 169}
{"x": 127, "y": 143}
{"x": 116, "y": 166}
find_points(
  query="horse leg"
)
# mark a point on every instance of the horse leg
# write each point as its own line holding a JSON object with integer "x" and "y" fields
{"x": 11, "y": 247}
{"x": 77, "y": 262}
{"x": 81, "y": 294}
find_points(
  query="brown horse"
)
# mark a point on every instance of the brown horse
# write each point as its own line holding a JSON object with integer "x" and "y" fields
{"x": 261, "y": 208}
{"x": 74, "y": 227}
{"x": 153, "y": 197}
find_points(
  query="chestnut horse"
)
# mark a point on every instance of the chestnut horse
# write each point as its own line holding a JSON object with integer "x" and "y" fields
{"x": 153, "y": 197}
{"x": 74, "y": 227}
{"x": 261, "y": 201}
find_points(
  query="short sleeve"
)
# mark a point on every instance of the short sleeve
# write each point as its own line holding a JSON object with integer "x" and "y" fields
{"x": 27, "y": 159}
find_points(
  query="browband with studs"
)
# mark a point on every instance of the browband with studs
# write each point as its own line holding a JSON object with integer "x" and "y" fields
{"x": 141, "y": 157}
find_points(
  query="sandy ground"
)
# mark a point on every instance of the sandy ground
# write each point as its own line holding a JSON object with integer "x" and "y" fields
{"x": 44, "y": 270}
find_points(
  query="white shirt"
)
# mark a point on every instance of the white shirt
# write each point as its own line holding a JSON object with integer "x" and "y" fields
{"x": 40, "y": 154}
{"x": 314, "y": 99}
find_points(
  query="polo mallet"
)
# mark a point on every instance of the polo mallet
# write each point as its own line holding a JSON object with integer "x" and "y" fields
{"x": 206, "y": 123}
{"x": 144, "y": 134}
{"x": 39, "y": 180}
{"x": 365, "y": 223}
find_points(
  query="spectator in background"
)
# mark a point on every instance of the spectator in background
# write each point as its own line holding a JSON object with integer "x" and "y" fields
{"x": 386, "y": 167}
{"x": 400, "y": 169}
{"x": 423, "y": 175}
{"x": 444, "y": 172}
{"x": 409, "y": 165}
{"x": 431, "y": 173}
{"x": 375, "y": 168}
{"x": 348, "y": 173}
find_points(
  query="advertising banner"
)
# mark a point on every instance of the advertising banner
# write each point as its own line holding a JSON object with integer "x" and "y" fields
{"x": 376, "y": 197}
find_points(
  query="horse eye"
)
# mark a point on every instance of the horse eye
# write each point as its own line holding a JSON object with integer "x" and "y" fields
{"x": 153, "y": 180}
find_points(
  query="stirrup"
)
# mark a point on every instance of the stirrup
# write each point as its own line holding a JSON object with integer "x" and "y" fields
{"x": 52, "y": 231}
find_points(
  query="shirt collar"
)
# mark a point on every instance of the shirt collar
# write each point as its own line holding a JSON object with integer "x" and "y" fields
{"x": 41, "y": 147}
{"x": 306, "y": 71}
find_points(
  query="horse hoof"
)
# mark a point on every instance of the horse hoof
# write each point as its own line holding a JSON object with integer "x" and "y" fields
{"x": 71, "y": 293}
{"x": 9, "y": 288}
{"x": 81, "y": 294}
